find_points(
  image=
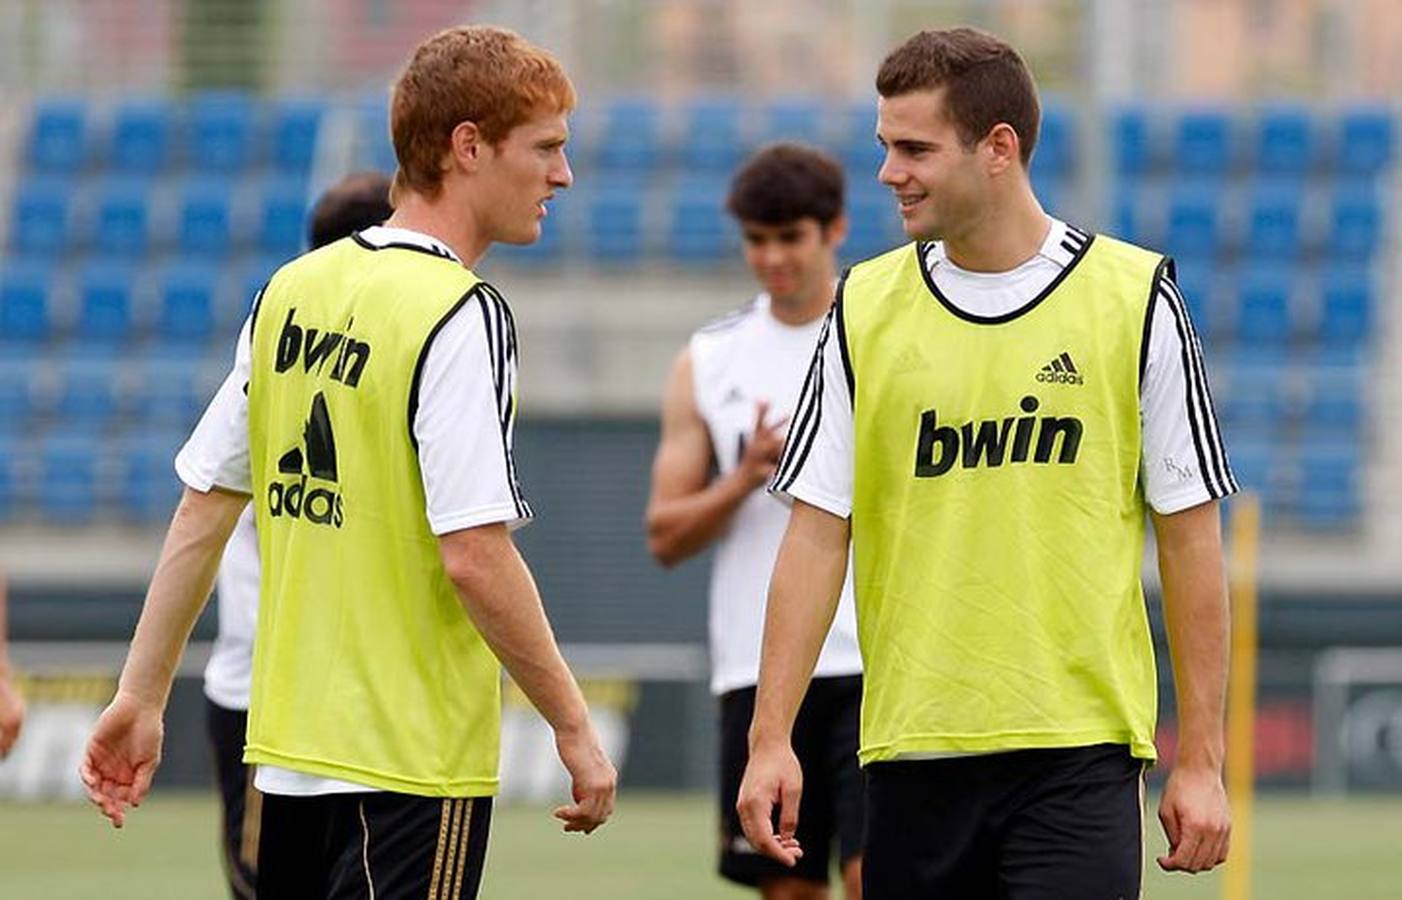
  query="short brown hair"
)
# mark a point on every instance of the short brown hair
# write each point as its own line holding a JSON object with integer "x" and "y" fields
{"x": 490, "y": 76}
{"x": 786, "y": 182}
{"x": 985, "y": 80}
{"x": 356, "y": 202}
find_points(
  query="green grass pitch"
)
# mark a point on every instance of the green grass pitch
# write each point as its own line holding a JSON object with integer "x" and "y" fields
{"x": 658, "y": 845}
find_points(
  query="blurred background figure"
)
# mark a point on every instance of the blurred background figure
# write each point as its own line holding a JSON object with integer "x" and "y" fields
{"x": 357, "y": 201}
{"x": 11, "y": 703}
{"x": 157, "y": 158}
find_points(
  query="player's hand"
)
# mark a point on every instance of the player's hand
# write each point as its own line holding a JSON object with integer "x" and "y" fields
{"x": 766, "y": 442}
{"x": 772, "y": 777}
{"x": 11, "y": 714}
{"x": 1196, "y": 820}
{"x": 122, "y": 755}
{"x": 593, "y": 781}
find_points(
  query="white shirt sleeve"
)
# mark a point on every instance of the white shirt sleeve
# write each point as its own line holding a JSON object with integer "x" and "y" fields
{"x": 216, "y": 453}
{"x": 1184, "y": 461}
{"x": 816, "y": 465}
{"x": 466, "y": 417}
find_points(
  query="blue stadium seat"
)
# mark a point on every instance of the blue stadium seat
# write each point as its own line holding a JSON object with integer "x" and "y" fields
{"x": 701, "y": 231}
{"x": 1202, "y": 142}
{"x": 1366, "y": 136}
{"x": 141, "y": 137}
{"x": 282, "y": 225}
{"x": 188, "y": 291}
{"x": 1263, "y": 307}
{"x": 1273, "y": 224}
{"x": 711, "y": 140}
{"x": 1355, "y": 225}
{"x": 1255, "y": 463}
{"x": 1334, "y": 399}
{"x": 105, "y": 290}
{"x": 1126, "y": 217}
{"x": 39, "y": 225}
{"x": 255, "y": 276}
{"x": 377, "y": 151}
{"x": 293, "y": 133}
{"x": 1255, "y": 397}
{"x": 24, "y": 303}
{"x": 1055, "y": 153}
{"x": 615, "y": 213}
{"x": 168, "y": 394}
{"x": 67, "y": 493}
{"x": 1285, "y": 140}
{"x": 205, "y": 217}
{"x": 58, "y": 136}
{"x": 629, "y": 139}
{"x": 148, "y": 488}
{"x": 860, "y": 152}
{"x": 1194, "y": 226}
{"x": 1346, "y": 307}
{"x": 1130, "y": 142}
{"x": 794, "y": 119}
{"x": 874, "y": 224}
{"x": 9, "y": 493}
{"x": 123, "y": 218}
{"x": 88, "y": 390}
{"x": 1329, "y": 490}
{"x": 221, "y": 131}
{"x": 19, "y": 376}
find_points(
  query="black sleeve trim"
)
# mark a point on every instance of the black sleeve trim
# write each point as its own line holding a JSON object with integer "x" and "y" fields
{"x": 846, "y": 352}
{"x": 1165, "y": 269}
{"x": 423, "y": 357}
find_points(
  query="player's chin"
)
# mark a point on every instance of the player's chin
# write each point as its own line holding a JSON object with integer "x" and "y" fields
{"x": 522, "y": 235}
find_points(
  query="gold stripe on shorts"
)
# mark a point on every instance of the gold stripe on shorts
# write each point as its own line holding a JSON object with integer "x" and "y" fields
{"x": 451, "y": 859}
{"x": 462, "y": 851}
{"x": 443, "y": 817}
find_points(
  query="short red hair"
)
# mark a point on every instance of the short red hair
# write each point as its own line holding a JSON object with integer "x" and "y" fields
{"x": 477, "y": 73}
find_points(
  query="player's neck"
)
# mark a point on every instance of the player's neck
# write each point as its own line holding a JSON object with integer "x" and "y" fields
{"x": 1011, "y": 233}
{"x": 439, "y": 218}
{"x": 800, "y": 309}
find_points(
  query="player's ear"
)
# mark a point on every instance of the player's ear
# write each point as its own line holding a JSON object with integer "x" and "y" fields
{"x": 1002, "y": 148}
{"x": 835, "y": 232}
{"x": 465, "y": 147}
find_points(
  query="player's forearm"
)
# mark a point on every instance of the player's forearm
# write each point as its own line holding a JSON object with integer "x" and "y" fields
{"x": 681, "y": 527}
{"x": 1199, "y": 629}
{"x": 500, "y": 597}
{"x": 181, "y": 584}
{"x": 803, "y": 596}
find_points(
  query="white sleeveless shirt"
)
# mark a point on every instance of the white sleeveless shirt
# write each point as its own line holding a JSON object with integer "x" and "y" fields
{"x": 738, "y": 361}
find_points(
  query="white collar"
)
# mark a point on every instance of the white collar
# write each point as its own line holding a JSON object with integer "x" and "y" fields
{"x": 382, "y": 236}
{"x": 1061, "y": 246}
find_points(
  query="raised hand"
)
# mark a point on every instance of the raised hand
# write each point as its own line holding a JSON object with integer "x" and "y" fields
{"x": 766, "y": 443}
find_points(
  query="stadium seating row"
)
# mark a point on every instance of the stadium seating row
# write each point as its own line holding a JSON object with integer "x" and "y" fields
{"x": 1268, "y": 220}
{"x": 221, "y": 131}
{"x": 103, "y": 302}
{"x": 129, "y": 217}
{"x": 1262, "y": 305}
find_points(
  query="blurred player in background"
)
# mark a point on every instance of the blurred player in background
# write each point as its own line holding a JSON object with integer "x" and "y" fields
{"x": 356, "y": 202}
{"x": 729, "y": 399}
{"x": 993, "y": 410}
{"x": 11, "y": 703}
{"x": 370, "y": 415}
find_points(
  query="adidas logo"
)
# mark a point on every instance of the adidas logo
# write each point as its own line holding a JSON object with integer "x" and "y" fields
{"x": 291, "y": 497}
{"x": 733, "y": 396}
{"x": 1061, "y": 371}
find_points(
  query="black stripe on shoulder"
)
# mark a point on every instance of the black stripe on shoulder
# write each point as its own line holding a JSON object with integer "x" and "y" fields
{"x": 1165, "y": 269}
{"x": 500, "y": 326}
{"x": 845, "y": 351}
{"x": 801, "y": 438}
{"x": 403, "y": 245}
{"x": 1200, "y": 415}
{"x": 423, "y": 357}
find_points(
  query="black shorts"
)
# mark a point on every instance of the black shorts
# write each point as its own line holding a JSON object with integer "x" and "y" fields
{"x": 377, "y": 844}
{"x": 1024, "y": 825}
{"x": 825, "y": 738}
{"x": 240, "y": 800}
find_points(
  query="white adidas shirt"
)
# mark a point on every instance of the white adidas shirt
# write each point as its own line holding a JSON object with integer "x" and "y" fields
{"x": 738, "y": 361}
{"x": 468, "y": 477}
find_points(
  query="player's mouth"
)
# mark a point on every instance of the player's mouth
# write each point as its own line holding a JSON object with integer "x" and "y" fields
{"x": 909, "y": 202}
{"x": 541, "y": 211}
